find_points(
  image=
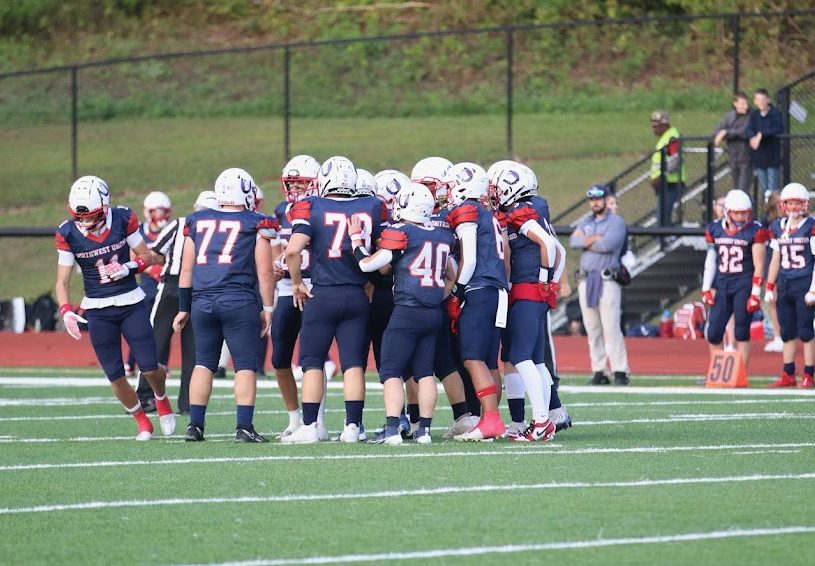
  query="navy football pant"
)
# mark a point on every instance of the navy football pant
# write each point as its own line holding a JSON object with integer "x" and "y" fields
{"x": 526, "y": 331}
{"x": 239, "y": 326}
{"x": 286, "y": 322}
{"x": 108, "y": 325}
{"x": 380, "y": 310}
{"x": 479, "y": 338}
{"x": 731, "y": 300}
{"x": 336, "y": 311}
{"x": 794, "y": 316}
{"x": 409, "y": 342}
{"x": 443, "y": 364}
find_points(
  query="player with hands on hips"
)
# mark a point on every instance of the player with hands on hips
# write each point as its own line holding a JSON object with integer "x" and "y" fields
{"x": 791, "y": 284}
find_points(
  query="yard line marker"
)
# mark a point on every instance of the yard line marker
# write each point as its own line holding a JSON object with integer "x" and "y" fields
{"x": 769, "y": 452}
{"x": 516, "y": 548}
{"x": 398, "y": 493}
{"x": 80, "y": 401}
{"x": 548, "y": 450}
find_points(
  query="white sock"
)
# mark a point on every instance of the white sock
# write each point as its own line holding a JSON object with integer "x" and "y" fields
{"x": 534, "y": 389}
{"x": 161, "y": 398}
{"x": 134, "y": 409}
{"x": 294, "y": 417}
{"x": 547, "y": 380}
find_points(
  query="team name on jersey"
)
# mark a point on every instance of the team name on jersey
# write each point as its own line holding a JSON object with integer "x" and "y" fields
{"x": 724, "y": 241}
{"x": 103, "y": 250}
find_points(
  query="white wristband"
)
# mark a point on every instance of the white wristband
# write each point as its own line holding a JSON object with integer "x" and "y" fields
{"x": 756, "y": 290}
{"x": 543, "y": 275}
{"x": 268, "y": 309}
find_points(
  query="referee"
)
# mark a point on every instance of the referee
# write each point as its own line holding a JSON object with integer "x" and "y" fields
{"x": 167, "y": 250}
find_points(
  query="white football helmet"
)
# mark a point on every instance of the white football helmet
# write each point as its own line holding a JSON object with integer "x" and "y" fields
{"x": 795, "y": 200}
{"x": 468, "y": 181}
{"x": 432, "y": 172}
{"x": 415, "y": 203}
{"x": 737, "y": 201}
{"x": 366, "y": 186}
{"x": 158, "y": 209}
{"x": 300, "y": 177}
{"x": 88, "y": 202}
{"x": 258, "y": 206}
{"x": 389, "y": 183}
{"x": 533, "y": 178}
{"x": 511, "y": 184}
{"x": 206, "y": 199}
{"x": 337, "y": 176}
{"x": 235, "y": 187}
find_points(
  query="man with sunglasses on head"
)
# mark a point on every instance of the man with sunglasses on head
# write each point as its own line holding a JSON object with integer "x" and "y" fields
{"x": 601, "y": 237}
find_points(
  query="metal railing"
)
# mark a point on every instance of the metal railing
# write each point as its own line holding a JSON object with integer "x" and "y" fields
{"x": 511, "y": 35}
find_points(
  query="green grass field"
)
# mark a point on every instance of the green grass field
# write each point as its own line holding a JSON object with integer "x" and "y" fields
{"x": 569, "y": 152}
{"x": 647, "y": 475}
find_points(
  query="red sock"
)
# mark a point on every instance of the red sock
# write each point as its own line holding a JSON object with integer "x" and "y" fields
{"x": 142, "y": 420}
{"x": 491, "y": 415}
{"x": 163, "y": 406}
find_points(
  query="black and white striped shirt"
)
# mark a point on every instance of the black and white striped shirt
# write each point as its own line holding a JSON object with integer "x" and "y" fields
{"x": 170, "y": 246}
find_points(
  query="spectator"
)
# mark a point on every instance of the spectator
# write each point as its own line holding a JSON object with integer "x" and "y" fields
{"x": 733, "y": 128}
{"x": 601, "y": 237}
{"x": 772, "y": 210}
{"x": 668, "y": 188}
{"x": 763, "y": 130}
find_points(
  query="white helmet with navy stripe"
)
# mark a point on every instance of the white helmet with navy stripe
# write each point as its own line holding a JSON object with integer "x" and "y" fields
{"x": 512, "y": 183}
{"x": 337, "y": 176}
{"x": 235, "y": 187}
{"x": 389, "y": 183}
{"x": 468, "y": 181}
{"x": 206, "y": 199}
{"x": 88, "y": 201}
{"x": 366, "y": 186}
{"x": 415, "y": 203}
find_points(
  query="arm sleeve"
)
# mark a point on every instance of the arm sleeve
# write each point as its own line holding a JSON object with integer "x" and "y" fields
{"x": 135, "y": 239}
{"x": 562, "y": 265}
{"x": 612, "y": 240}
{"x": 710, "y": 269}
{"x": 548, "y": 240}
{"x": 65, "y": 258}
{"x": 380, "y": 259}
{"x": 467, "y": 235}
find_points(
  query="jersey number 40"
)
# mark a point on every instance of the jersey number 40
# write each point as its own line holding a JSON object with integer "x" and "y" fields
{"x": 429, "y": 265}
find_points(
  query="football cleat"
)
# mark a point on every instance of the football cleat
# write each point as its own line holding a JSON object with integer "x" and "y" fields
{"x": 382, "y": 437}
{"x": 515, "y": 429}
{"x": 561, "y": 419}
{"x": 350, "y": 434}
{"x": 786, "y": 380}
{"x": 807, "y": 381}
{"x": 599, "y": 379}
{"x": 248, "y": 435}
{"x": 322, "y": 432}
{"x": 144, "y": 435}
{"x": 422, "y": 436}
{"x": 405, "y": 427}
{"x": 290, "y": 429}
{"x": 621, "y": 378}
{"x": 774, "y": 345}
{"x": 459, "y": 426}
{"x": 536, "y": 431}
{"x": 194, "y": 433}
{"x": 167, "y": 423}
{"x": 484, "y": 431}
{"x": 304, "y": 434}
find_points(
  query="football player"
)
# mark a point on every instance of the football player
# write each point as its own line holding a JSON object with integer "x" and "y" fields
{"x": 736, "y": 260}
{"x": 100, "y": 239}
{"x": 534, "y": 257}
{"x": 790, "y": 281}
{"x": 419, "y": 256}
{"x": 299, "y": 180}
{"x": 478, "y": 307}
{"x": 336, "y": 306}
{"x": 226, "y": 258}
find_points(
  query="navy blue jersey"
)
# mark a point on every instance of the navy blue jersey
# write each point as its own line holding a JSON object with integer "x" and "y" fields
{"x": 283, "y": 214}
{"x": 525, "y": 259}
{"x": 325, "y": 221}
{"x": 735, "y": 247}
{"x": 489, "y": 265}
{"x": 794, "y": 246}
{"x": 419, "y": 260}
{"x": 224, "y": 266}
{"x": 92, "y": 253}
{"x": 542, "y": 206}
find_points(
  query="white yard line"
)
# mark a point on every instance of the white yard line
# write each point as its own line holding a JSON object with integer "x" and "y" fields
{"x": 768, "y": 452}
{"x": 400, "y": 493}
{"x": 110, "y": 400}
{"x": 407, "y": 451}
{"x": 516, "y": 548}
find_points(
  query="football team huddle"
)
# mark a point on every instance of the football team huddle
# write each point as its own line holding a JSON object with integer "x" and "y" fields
{"x": 444, "y": 274}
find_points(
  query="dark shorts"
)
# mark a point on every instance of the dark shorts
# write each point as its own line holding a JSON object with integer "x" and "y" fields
{"x": 409, "y": 343}
{"x": 380, "y": 311}
{"x": 731, "y": 300}
{"x": 479, "y": 338}
{"x": 286, "y": 322}
{"x": 443, "y": 360}
{"x": 526, "y": 332}
{"x": 238, "y": 325}
{"x": 336, "y": 311}
{"x": 107, "y": 326}
{"x": 794, "y": 316}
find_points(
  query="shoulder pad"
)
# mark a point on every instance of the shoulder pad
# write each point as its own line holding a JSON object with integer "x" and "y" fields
{"x": 268, "y": 228}
{"x": 132, "y": 221}
{"x": 61, "y": 243}
{"x": 708, "y": 235}
{"x": 519, "y": 216}
{"x": 462, "y": 214}
{"x": 301, "y": 210}
{"x": 762, "y": 235}
{"x": 393, "y": 239}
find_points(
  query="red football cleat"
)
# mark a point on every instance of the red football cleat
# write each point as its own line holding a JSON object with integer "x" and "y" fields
{"x": 807, "y": 381}
{"x": 486, "y": 430}
{"x": 786, "y": 380}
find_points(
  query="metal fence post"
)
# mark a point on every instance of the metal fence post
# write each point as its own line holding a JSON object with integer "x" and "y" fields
{"x": 783, "y": 100}
{"x": 510, "y": 53}
{"x": 286, "y": 103}
{"x": 74, "y": 120}
{"x": 736, "y": 51}
{"x": 711, "y": 181}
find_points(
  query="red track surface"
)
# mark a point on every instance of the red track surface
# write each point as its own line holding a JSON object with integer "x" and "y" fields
{"x": 647, "y": 356}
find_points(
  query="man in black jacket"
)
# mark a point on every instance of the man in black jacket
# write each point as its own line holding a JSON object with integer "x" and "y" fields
{"x": 733, "y": 129}
{"x": 763, "y": 129}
